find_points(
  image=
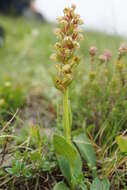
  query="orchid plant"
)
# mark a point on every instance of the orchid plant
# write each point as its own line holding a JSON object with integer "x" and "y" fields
{"x": 71, "y": 148}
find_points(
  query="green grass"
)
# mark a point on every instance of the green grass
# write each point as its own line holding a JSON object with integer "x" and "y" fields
{"x": 25, "y": 55}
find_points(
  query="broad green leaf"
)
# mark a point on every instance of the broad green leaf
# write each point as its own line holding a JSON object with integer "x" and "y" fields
{"x": 61, "y": 186}
{"x": 76, "y": 171}
{"x": 69, "y": 160}
{"x": 64, "y": 167}
{"x": 100, "y": 184}
{"x": 105, "y": 184}
{"x": 122, "y": 142}
{"x": 87, "y": 151}
{"x": 64, "y": 149}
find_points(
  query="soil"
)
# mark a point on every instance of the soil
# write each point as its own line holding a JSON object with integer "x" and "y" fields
{"x": 39, "y": 110}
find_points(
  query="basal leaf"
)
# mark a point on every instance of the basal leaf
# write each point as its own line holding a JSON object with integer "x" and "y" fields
{"x": 105, "y": 184}
{"x": 122, "y": 142}
{"x": 64, "y": 149}
{"x": 69, "y": 160}
{"x": 87, "y": 151}
{"x": 100, "y": 184}
{"x": 61, "y": 186}
{"x": 64, "y": 167}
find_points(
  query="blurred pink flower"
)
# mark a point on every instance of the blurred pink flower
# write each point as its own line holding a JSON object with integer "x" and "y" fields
{"x": 102, "y": 58}
{"x": 93, "y": 51}
{"x": 106, "y": 56}
{"x": 123, "y": 49}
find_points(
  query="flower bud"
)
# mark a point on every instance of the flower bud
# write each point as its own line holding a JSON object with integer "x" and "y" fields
{"x": 92, "y": 75}
{"x": 76, "y": 44}
{"x": 123, "y": 49}
{"x": 80, "y": 21}
{"x": 58, "y": 67}
{"x": 67, "y": 68}
{"x": 63, "y": 22}
{"x": 108, "y": 54}
{"x": 93, "y": 51}
{"x": 53, "y": 57}
{"x": 119, "y": 66}
{"x": 66, "y": 10}
{"x": 2, "y": 102}
{"x": 102, "y": 58}
{"x": 76, "y": 59}
{"x": 57, "y": 45}
{"x": 73, "y": 6}
{"x": 67, "y": 80}
{"x": 80, "y": 37}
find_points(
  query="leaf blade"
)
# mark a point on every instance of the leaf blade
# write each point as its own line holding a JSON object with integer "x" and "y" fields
{"x": 122, "y": 143}
{"x": 61, "y": 186}
{"x": 69, "y": 160}
{"x": 87, "y": 151}
{"x": 100, "y": 184}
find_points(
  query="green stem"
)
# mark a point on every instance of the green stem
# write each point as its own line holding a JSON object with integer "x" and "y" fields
{"x": 66, "y": 120}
